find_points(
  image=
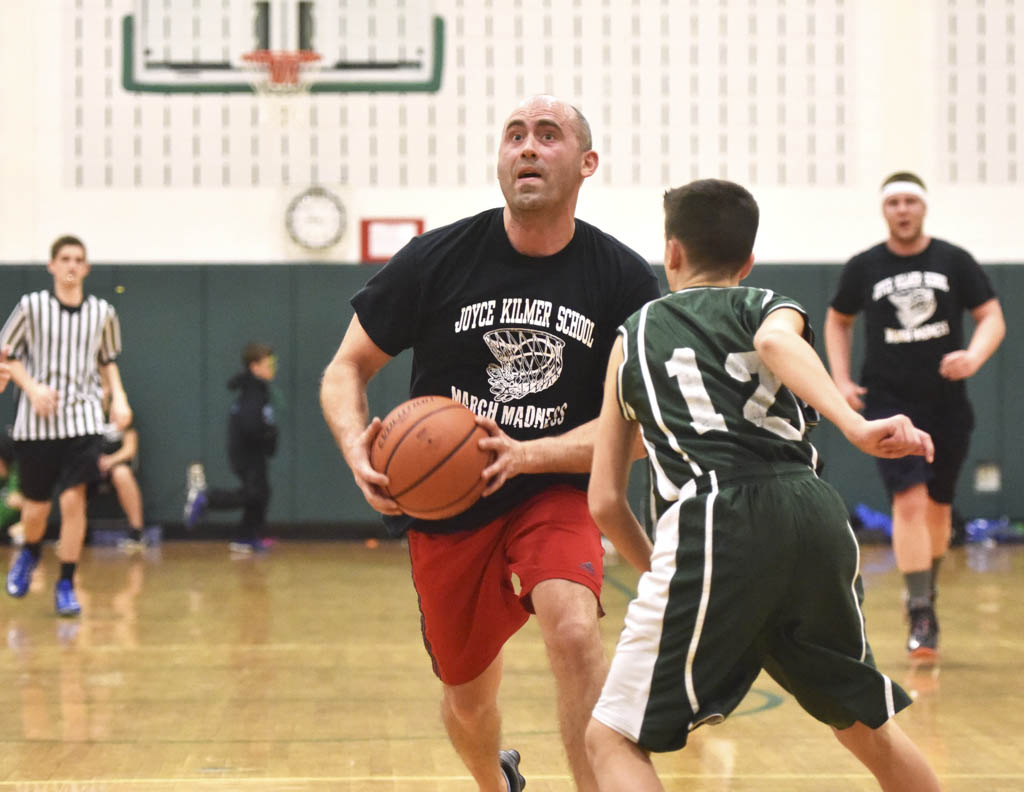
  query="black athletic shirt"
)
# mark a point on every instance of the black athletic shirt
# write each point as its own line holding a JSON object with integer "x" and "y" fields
{"x": 913, "y": 308}
{"x": 524, "y": 340}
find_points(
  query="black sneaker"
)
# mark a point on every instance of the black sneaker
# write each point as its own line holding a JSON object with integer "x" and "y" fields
{"x": 509, "y": 761}
{"x": 923, "y": 642}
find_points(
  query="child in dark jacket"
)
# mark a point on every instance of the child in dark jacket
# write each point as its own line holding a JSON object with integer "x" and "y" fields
{"x": 252, "y": 440}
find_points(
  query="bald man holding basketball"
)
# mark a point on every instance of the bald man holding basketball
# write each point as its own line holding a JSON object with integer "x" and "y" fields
{"x": 511, "y": 312}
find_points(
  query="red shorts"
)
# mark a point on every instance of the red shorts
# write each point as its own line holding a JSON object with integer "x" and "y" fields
{"x": 464, "y": 580}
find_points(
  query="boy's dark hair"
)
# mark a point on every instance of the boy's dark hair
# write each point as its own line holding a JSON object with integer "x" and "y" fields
{"x": 255, "y": 351}
{"x": 64, "y": 241}
{"x": 715, "y": 221}
{"x": 905, "y": 176}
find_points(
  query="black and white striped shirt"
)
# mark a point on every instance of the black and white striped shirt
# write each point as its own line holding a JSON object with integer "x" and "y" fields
{"x": 62, "y": 347}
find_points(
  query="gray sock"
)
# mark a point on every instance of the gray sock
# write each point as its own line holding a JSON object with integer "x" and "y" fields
{"x": 936, "y": 563}
{"x": 919, "y": 589}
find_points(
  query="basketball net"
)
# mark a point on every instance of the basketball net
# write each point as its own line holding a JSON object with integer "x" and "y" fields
{"x": 529, "y": 361}
{"x": 283, "y": 98}
{"x": 284, "y": 68}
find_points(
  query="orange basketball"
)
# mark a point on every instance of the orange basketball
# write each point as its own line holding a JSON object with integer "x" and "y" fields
{"x": 428, "y": 449}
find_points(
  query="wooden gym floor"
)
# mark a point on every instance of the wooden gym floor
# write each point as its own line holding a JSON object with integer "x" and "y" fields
{"x": 304, "y": 670}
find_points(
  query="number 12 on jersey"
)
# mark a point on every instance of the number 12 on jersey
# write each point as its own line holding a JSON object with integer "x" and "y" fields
{"x": 741, "y": 366}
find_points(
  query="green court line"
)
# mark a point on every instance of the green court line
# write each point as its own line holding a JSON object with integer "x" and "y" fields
{"x": 619, "y": 586}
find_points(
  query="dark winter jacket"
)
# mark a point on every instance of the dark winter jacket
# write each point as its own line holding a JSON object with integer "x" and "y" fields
{"x": 252, "y": 426}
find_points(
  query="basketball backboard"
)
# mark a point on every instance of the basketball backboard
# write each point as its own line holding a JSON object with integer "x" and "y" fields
{"x": 176, "y": 46}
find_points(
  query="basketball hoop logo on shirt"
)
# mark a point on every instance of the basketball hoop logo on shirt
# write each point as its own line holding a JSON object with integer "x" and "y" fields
{"x": 529, "y": 361}
{"x": 913, "y": 295}
{"x": 913, "y": 308}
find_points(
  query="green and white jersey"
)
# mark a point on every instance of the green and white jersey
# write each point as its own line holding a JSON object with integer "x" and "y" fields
{"x": 704, "y": 399}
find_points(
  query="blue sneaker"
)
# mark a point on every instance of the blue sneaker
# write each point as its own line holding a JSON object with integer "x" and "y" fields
{"x": 65, "y": 600}
{"x": 509, "y": 761}
{"x": 196, "y": 500}
{"x": 195, "y": 508}
{"x": 20, "y": 576}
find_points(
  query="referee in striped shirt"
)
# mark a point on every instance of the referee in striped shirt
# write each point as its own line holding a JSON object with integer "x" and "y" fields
{"x": 63, "y": 346}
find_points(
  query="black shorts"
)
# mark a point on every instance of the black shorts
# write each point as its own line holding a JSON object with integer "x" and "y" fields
{"x": 950, "y": 426}
{"x": 49, "y": 467}
{"x": 104, "y": 482}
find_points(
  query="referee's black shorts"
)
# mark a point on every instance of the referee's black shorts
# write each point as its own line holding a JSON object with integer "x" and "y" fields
{"x": 48, "y": 467}
{"x": 949, "y": 423}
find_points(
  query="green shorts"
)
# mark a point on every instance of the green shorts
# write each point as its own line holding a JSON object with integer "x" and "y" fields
{"x": 757, "y": 569}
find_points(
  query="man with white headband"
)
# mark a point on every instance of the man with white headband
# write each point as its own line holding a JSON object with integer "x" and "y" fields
{"x": 914, "y": 290}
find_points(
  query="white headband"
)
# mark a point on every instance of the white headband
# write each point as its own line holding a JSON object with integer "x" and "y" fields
{"x": 897, "y": 187}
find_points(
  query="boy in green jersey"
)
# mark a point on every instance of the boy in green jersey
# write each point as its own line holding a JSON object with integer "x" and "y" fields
{"x": 754, "y": 565}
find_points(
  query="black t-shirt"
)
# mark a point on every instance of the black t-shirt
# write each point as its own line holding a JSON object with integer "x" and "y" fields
{"x": 252, "y": 424}
{"x": 524, "y": 340}
{"x": 913, "y": 308}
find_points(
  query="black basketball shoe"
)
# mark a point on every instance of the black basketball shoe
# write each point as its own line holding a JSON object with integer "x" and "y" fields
{"x": 923, "y": 642}
{"x": 509, "y": 761}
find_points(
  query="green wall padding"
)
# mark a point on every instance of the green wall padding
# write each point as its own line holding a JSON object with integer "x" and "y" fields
{"x": 184, "y": 326}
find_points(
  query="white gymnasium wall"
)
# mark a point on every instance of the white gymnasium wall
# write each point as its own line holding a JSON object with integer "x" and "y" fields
{"x": 810, "y": 103}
